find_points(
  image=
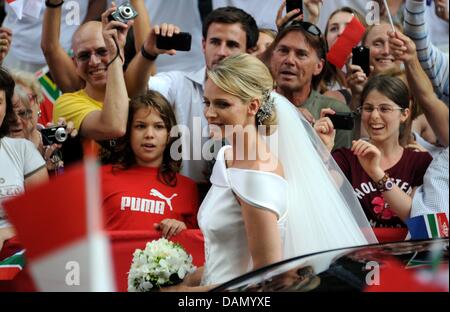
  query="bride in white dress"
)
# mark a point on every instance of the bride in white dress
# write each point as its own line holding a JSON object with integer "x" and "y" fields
{"x": 272, "y": 197}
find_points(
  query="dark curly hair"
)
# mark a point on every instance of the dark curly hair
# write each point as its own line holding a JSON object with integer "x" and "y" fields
{"x": 7, "y": 85}
{"x": 167, "y": 172}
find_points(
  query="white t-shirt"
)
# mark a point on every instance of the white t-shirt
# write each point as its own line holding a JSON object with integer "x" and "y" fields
{"x": 19, "y": 159}
{"x": 26, "y": 42}
{"x": 184, "y": 14}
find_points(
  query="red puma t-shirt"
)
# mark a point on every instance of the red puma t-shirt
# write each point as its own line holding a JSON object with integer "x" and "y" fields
{"x": 407, "y": 173}
{"x": 135, "y": 199}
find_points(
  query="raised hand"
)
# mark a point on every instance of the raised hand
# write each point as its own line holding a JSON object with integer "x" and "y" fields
{"x": 5, "y": 42}
{"x": 114, "y": 32}
{"x": 369, "y": 156}
{"x": 281, "y": 20}
{"x": 441, "y": 9}
{"x": 170, "y": 227}
{"x": 325, "y": 129}
{"x": 356, "y": 78}
{"x": 165, "y": 30}
{"x": 313, "y": 7}
{"x": 402, "y": 47}
{"x": 49, "y": 153}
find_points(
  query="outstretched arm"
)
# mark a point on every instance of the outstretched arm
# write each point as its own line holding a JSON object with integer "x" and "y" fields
{"x": 95, "y": 10}
{"x": 436, "y": 112}
{"x": 111, "y": 121}
{"x": 139, "y": 70}
{"x": 142, "y": 25}
{"x": 59, "y": 62}
{"x": 432, "y": 60}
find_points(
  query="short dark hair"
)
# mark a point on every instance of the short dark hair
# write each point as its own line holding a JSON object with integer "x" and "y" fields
{"x": 316, "y": 42}
{"x": 167, "y": 173}
{"x": 7, "y": 84}
{"x": 232, "y": 15}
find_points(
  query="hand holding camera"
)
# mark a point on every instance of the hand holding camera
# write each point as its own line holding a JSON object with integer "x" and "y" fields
{"x": 294, "y": 10}
{"x": 53, "y": 139}
{"x": 54, "y": 135}
{"x": 356, "y": 77}
{"x": 116, "y": 22}
{"x": 325, "y": 128}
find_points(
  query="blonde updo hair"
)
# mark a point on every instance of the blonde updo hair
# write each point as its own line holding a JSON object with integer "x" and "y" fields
{"x": 245, "y": 77}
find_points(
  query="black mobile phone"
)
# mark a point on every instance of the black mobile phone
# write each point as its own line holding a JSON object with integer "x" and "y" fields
{"x": 294, "y": 4}
{"x": 180, "y": 42}
{"x": 361, "y": 57}
{"x": 343, "y": 121}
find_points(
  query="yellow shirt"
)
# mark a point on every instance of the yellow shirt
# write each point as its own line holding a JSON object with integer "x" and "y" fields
{"x": 75, "y": 107}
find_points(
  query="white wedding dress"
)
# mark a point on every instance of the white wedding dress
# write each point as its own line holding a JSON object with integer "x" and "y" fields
{"x": 220, "y": 218}
{"x": 316, "y": 206}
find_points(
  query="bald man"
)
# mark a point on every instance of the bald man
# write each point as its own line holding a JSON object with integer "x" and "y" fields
{"x": 99, "y": 111}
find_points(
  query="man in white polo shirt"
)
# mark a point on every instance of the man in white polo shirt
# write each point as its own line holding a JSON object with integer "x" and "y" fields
{"x": 226, "y": 31}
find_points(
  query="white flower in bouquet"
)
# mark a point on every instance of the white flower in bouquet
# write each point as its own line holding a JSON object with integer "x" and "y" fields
{"x": 161, "y": 263}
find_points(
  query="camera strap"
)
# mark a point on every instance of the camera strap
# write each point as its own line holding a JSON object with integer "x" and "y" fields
{"x": 117, "y": 54}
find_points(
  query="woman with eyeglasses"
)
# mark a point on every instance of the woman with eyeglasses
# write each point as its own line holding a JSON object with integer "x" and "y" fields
{"x": 383, "y": 174}
{"x": 21, "y": 166}
{"x": 26, "y": 105}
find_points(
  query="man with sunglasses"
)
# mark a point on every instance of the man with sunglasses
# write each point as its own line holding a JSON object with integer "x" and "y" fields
{"x": 99, "y": 110}
{"x": 297, "y": 63}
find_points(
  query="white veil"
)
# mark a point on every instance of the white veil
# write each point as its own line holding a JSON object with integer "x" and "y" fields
{"x": 323, "y": 211}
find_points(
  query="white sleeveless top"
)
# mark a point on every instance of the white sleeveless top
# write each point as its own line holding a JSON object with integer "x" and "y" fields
{"x": 220, "y": 218}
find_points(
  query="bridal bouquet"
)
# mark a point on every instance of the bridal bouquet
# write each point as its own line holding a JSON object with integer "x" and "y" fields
{"x": 161, "y": 263}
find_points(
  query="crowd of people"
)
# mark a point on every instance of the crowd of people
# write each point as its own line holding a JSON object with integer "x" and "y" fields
{"x": 257, "y": 94}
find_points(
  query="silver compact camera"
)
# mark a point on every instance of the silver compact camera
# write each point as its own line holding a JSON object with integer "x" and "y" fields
{"x": 53, "y": 135}
{"x": 124, "y": 13}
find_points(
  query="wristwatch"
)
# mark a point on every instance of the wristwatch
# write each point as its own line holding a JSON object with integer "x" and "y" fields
{"x": 384, "y": 184}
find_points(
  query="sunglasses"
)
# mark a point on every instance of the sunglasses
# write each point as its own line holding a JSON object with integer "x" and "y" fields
{"x": 308, "y": 27}
{"x": 85, "y": 56}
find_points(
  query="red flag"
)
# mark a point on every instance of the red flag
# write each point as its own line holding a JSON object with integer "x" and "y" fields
{"x": 59, "y": 225}
{"x": 343, "y": 46}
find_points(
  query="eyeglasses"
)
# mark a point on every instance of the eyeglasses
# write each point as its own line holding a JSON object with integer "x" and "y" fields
{"x": 85, "y": 56}
{"x": 308, "y": 27}
{"x": 382, "y": 109}
{"x": 24, "y": 113}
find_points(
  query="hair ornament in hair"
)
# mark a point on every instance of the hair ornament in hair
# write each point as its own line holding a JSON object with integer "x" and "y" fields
{"x": 266, "y": 109}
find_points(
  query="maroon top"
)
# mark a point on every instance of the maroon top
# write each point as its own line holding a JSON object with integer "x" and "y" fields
{"x": 407, "y": 173}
